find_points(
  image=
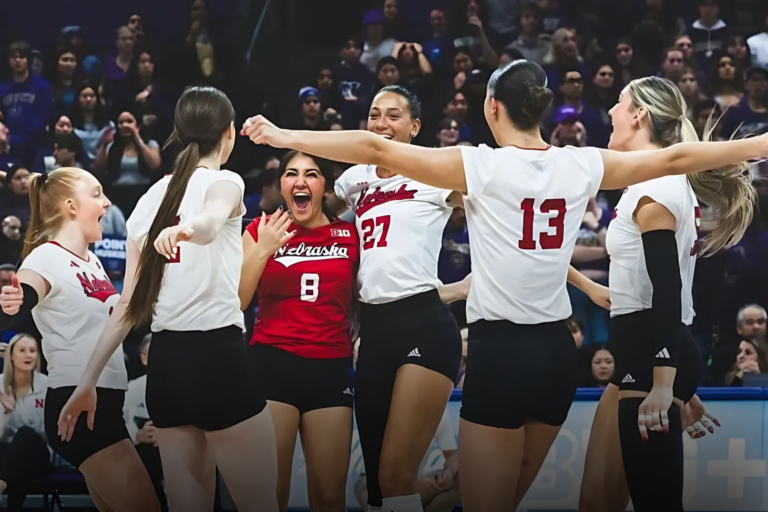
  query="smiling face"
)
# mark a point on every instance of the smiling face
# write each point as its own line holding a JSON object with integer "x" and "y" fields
{"x": 449, "y": 135}
{"x": 24, "y": 355}
{"x": 602, "y": 366}
{"x": 390, "y": 117}
{"x": 624, "y": 123}
{"x": 604, "y": 77}
{"x": 302, "y": 186}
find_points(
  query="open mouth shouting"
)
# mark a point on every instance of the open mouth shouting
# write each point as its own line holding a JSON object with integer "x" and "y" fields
{"x": 301, "y": 200}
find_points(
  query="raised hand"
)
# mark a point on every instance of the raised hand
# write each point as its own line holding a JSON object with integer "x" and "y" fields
{"x": 12, "y": 297}
{"x": 261, "y": 131}
{"x": 9, "y": 403}
{"x": 168, "y": 240}
{"x": 273, "y": 232}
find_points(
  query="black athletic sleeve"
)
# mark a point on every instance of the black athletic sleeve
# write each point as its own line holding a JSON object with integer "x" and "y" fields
{"x": 661, "y": 261}
{"x": 25, "y": 311}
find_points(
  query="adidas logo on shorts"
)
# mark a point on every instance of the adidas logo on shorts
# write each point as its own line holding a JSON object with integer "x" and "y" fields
{"x": 663, "y": 354}
{"x": 414, "y": 353}
{"x": 628, "y": 379}
{"x": 348, "y": 392}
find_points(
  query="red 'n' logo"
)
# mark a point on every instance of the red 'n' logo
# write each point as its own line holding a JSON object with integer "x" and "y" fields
{"x": 39, "y": 403}
{"x": 96, "y": 288}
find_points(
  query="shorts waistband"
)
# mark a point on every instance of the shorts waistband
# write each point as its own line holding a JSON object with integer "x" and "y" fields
{"x": 401, "y": 307}
{"x": 220, "y": 335}
{"x": 505, "y": 327}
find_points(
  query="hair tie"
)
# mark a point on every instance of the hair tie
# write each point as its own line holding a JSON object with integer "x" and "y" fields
{"x": 43, "y": 178}
{"x": 681, "y": 118}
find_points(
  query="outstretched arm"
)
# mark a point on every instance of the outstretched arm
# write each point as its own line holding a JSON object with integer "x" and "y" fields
{"x": 599, "y": 294}
{"x": 622, "y": 169}
{"x": 441, "y": 168}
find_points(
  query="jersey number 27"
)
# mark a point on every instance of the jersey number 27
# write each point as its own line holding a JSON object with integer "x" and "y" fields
{"x": 546, "y": 240}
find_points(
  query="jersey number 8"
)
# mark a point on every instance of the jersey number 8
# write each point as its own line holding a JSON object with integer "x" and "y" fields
{"x": 310, "y": 284}
{"x": 546, "y": 240}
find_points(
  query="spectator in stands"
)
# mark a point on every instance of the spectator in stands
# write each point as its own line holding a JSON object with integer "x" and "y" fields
{"x": 26, "y": 105}
{"x": 129, "y": 163}
{"x": 140, "y": 427}
{"x": 751, "y": 321}
{"x": 116, "y": 67}
{"x": 750, "y": 116}
{"x": 45, "y": 161}
{"x": 568, "y": 131}
{"x": 376, "y": 46}
{"x": 15, "y": 200}
{"x": 146, "y": 92}
{"x": 758, "y": 44}
{"x": 454, "y": 262}
{"x": 89, "y": 120}
{"x": 532, "y": 44}
{"x": 136, "y": 24}
{"x": 601, "y": 369}
{"x": 472, "y": 33}
{"x": 67, "y": 152}
{"x": 604, "y": 93}
{"x": 11, "y": 240}
{"x": 563, "y": 54}
{"x": 395, "y": 27}
{"x": 387, "y": 73}
{"x": 574, "y": 325}
{"x": 115, "y": 233}
{"x": 24, "y": 454}
{"x": 457, "y": 108}
{"x": 685, "y": 45}
{"x": 688, "y": 84}
{"x": 554, "y": 16}
{"x": 439, "y": 489}
{"x": 738, "y": 48}
{"x": 271, "y": 197}
{"x": 707, "y": 32}
{"x": 447, "y": 133}
{"x": 671, "y": 63}
{"x": 508, "y": 56}
{"x": 725, "y": 83}
{"x": 415, "y": 70}
{"x": 751, "y": 358}
{"x": 64, "y": 80}
{"x": 5, "y": 149}
{"x": 355, "y": 80}
{"x": 201, "y": 46}
{"x": 702, "y": 112}
{"x": 327, "y": 87}
{"x": 595, "y": 121}
{"x": 630, "y": 66}
{"x": 311, "y": 110}
{"x": 438, "y": 48}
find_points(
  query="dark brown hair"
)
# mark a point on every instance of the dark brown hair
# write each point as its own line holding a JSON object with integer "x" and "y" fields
{"x": 202, "y": 116}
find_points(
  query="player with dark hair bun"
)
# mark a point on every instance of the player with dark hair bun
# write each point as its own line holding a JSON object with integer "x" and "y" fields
{"x": 525, "y": 202}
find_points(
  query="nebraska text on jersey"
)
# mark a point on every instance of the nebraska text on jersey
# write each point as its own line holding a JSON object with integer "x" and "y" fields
{"x": 369, "y": 200}
{"x": 96, "y": 288}
{"x": 304, "y": 252}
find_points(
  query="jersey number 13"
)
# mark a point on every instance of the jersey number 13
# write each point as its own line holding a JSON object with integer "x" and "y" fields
{"x": 546, "y": 240}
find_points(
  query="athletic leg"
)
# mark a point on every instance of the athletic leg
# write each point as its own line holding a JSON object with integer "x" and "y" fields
{"x": 285, "y": 419}
{"x": 189, "y": 469}
{"x": 326, "y": 438}
{"x": 101, "y": 504}
{"x": 604, "y": 486}
{"x": 538, "y": 440}
{"x": 654, "y": 468}
{"x": 119, "y": 477}
{"x": 489, "y": 466}
{"x": 246, "y": 456}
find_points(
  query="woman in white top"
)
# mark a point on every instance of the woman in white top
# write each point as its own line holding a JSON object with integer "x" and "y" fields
{"x": 189, "y": 295}
{"x": 68, "y": 293}
{"x": 24, "y": 453}
{"x": 653, "y": 243}
{"x": 524, "y": 208}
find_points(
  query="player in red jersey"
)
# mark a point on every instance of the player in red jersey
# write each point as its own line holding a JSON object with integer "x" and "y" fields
{"x": 302, "y": 266}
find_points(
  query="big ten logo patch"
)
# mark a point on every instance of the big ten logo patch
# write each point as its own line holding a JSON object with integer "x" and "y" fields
{"x": 340, "y": 232}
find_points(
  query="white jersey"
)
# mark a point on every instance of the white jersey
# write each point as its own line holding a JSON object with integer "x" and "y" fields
{"x": 524, "y": 210}
{"x": 401, "y": 223}
{"x": 199, "y": 291}
{"x": 29, "y": 411}
{"x": 73, "y": 315}
{"x": 135, "y": 407}
{"x": 631, "y": 288}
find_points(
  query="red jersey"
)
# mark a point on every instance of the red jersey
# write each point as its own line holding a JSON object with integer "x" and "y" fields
{"x": 305, "y": 291}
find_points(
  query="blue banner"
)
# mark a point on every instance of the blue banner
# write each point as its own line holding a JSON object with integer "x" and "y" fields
{"x": 723, "y": 472}
{"x": 111, "y": 252}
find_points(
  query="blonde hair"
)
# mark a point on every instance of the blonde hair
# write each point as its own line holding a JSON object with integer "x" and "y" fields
{"x": 46, "y": 193}
{"x": 9, "y": 373}
{"x": 728, "y": 190}
{"x": 552, "y": 57}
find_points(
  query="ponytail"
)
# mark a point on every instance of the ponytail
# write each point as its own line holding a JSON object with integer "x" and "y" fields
{"x": 151, "y": 267}
{"x": 728, "y": 190}
{"x": 46, "y": 192}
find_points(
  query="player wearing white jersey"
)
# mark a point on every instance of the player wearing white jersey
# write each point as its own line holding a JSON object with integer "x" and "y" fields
{"x": 653, "y": 244}
{"x": 70, "y": 297}
{"x": 520, "y": 376}
{"x": 188, "y": 292}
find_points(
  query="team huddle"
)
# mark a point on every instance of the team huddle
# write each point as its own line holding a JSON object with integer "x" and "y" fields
{"x": 321, "y": 281}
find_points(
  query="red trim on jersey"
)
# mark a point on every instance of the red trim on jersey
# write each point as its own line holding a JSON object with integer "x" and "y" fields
{"x": 532, "y": 149}
{"x": 54, "y": 242}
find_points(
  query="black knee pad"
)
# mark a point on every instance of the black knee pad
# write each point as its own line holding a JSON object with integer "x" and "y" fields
{"x": 654, "y": 468}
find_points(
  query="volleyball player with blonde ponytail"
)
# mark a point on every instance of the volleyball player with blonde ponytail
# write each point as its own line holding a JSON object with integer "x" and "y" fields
{"x": 65, "y": 289}
{"x": 653, "y": 244}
